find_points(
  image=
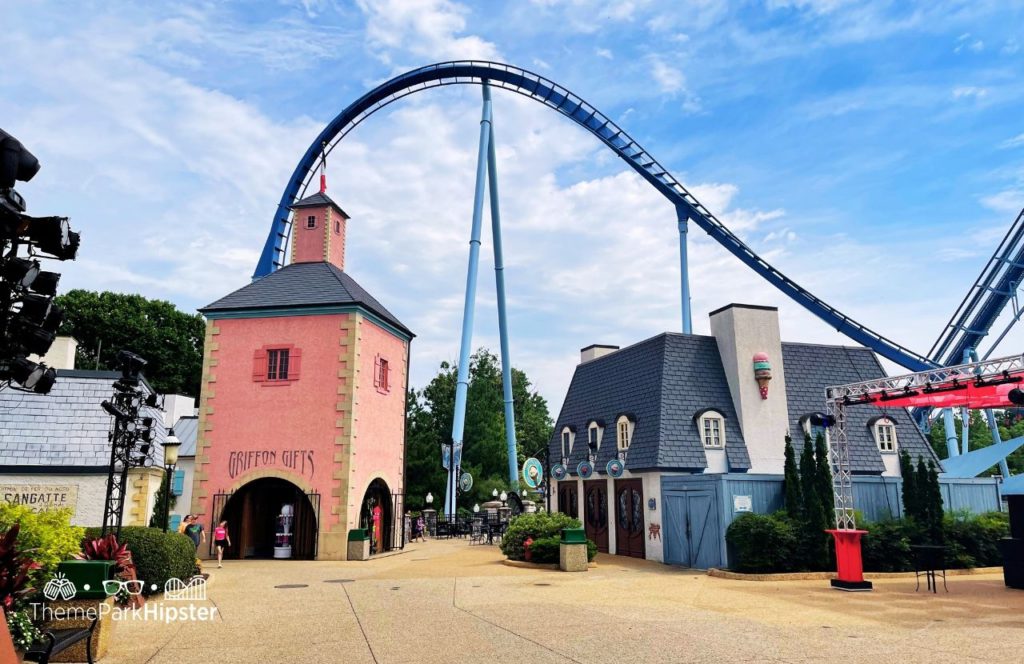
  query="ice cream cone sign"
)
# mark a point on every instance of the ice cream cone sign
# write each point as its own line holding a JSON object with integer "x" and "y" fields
{"x": 762, "y": 373}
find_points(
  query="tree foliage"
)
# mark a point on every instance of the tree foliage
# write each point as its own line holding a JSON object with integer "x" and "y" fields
{"x": 791, "y": 483}
{"x": 809, "y": 504}
{"x": 485, "y": 456}
{"x": 170, "y": 340}
{"x": 1010, "y": 423}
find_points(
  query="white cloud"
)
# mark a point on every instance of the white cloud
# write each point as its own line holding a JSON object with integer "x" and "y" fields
{"x": 1010, "y": 47}
{"x": 969, "y": 91}
{"x": 966, "y": 41}
{"x": 1014, "y": 142}
{"x": 425, "y": 28}
{"x": 604, "y": 53}
{"x": 668, "y": 78}
{"x": 1008, "y": 201}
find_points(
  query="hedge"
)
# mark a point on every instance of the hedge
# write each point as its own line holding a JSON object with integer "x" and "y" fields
{"x": 546, "y": 550}
{"x": 765, "y": 543}
{"x": 539, "y": 526}
{"x": 158, "y": 556}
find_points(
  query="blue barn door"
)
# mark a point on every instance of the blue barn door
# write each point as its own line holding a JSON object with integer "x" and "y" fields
{"x": 693, "y": 535}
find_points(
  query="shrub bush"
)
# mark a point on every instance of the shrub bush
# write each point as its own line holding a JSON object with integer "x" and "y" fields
{"x": 46, "y": 537}
{"x": 886, "y": 547}
{"x": 545, "y": 550}
{"x": 763, "y": 543}
{"x": 158, "y": 556}
{"x": 973, "y": 541}
{"x": 538, "y": 525}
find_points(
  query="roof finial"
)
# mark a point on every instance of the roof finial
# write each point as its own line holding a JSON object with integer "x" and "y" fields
{"x": 323, "y": 168}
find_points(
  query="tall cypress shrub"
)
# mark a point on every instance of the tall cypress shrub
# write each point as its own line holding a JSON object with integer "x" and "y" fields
{"x": 815, "y": 521}
{"x": 791, "y": 483}
{"x": 934, "y": 503}
{"x": 823, "y": 477}
{"x": 909, "y": 490}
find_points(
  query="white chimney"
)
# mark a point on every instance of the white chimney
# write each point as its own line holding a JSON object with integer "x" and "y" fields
{"x": 61, "y": 354}
{"x": 177, "y": 406}
{"x": 595, "y": 351}
{"x": 743, "y": 331}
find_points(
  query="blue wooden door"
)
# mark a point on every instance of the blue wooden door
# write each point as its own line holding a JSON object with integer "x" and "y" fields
{"x": 692, "y": 536}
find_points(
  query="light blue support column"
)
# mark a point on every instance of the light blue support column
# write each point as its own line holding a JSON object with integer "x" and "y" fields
{"x": 952, "y": 446}
{"x": 499, "y": 281}
{"x": 965, "y": 430}
{"x": 996, "y": 439}
{"x": 462, "y": 387}
{"x": 684, "y": 272}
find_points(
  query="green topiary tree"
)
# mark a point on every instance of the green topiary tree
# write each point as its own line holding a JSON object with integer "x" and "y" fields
{"x": 160, "y": 506}
{"x": 791, "y": 483}
{"x": 814, "y": 539}
{"x": 823, "y": 477}
{"x": 909, "y": 490}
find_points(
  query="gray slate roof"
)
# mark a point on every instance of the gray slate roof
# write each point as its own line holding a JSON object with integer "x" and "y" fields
{"x": 318, "y": 284}
{"x": 318, "y": 199}
{"x": 810, "y": 368}
{"x": 664, "y": 381}
{"x": 67, "y": 427}
{"x": 661, "y": 383}
{"x": 186, "y": 429}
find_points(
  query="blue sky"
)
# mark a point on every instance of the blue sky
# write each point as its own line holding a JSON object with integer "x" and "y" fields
{"x": 872, "y": 151}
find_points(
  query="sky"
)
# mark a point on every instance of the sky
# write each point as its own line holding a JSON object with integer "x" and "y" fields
{"x": 874, "y": 152}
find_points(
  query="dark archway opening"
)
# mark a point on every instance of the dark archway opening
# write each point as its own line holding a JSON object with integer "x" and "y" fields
{"x": 254, "y": 525}
{"x": 377, "y": 516}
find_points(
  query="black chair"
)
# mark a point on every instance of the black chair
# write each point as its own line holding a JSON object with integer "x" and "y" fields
{"x": 929, "y": 559}
{"x": 56, "y": 641}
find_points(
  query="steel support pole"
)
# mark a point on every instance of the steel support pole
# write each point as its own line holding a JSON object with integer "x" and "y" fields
{"x": 684, "y": 270}
{"x": 997, "y": 439}
{"x": 499, "y": 281}
{"x": 952, "y": 446}
{"x": 462, "y": 387}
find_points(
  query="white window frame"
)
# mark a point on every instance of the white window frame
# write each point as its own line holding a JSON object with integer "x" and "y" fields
{"x": 623, "y": 424}
{"x": 599, "y": 434}
{"x": 890, "y": 446}
{"x": 566, "y": 431}
{"x": 707, "y": 420}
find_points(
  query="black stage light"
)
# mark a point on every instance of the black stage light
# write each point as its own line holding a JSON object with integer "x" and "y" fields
{"x": 32, "y": 376}
{"x": 33, "y": 338}
{"x": 21, "y": 272}
{"x": 50, "y": 234}
{"x": 821, "y": 420}
{"x": 35, "y": 308}
{"x": 151, "y": 400}
{"x": 1016, "y": 396}
{"x": 16, "y": 162}
{"x": 114, "y": 410}
{"x": 45, "y": 283}
{"x": 130, "y": 363}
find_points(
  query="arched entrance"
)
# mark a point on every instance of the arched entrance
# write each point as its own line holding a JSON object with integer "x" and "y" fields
{"x": 377, "y": 516}
{"x": 254, "y": 527}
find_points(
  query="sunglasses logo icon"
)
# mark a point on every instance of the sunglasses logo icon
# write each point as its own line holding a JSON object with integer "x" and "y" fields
{"x": 131, "y": 586}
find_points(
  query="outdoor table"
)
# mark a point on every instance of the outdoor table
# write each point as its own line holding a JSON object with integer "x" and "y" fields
{"x": 927, "y": 559}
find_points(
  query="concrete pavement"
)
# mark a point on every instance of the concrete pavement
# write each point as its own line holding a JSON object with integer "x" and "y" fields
{"x": 447, "y": 601}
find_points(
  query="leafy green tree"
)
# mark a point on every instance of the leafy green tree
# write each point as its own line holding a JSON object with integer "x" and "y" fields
{"x": 170, "y": 340}
{"x": 485, "y": 453}
{"x": 791, "y": 483}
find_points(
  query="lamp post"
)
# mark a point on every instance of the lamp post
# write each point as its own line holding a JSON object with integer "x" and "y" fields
{"x": 171, "y": 447}
{"x": 430, "y": 498}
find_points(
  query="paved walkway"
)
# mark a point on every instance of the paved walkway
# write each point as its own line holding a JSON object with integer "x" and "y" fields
{"x": 447, "y": 601}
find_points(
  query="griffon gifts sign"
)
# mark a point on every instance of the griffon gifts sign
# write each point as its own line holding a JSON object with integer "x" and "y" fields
{"x": 40, "y": 497}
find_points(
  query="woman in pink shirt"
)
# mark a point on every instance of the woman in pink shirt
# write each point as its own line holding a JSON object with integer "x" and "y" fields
{"x": 221, "y": 540}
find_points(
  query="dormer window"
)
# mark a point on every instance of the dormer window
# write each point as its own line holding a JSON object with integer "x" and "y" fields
{"x": 711, "y": 425}
{"x": 624, "y": 432}
{"x": 594, "y": 434}
{"x": 884, "y": 430}
{"x": 311, "y": 221}
{"x": 567, "y": 439}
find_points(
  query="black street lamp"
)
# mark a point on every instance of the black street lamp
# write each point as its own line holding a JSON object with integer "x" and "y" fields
{"x": 171, "y": 446}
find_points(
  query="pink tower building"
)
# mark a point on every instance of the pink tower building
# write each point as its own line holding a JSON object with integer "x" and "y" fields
{"x": 302, "y": 411}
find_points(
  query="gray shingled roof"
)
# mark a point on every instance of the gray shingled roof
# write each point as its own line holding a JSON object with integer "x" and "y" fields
{"x": 67, "y": 427}
{"x": 186, "y": 429}
{"x": 661, "y": 383}
{"x": 318, "y": 284}
{"x": 810, "y": 368}
{"x": 319, "y": 199}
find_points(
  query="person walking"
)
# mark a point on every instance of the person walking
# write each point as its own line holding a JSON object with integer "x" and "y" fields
{"x": 195, "y": 530}
{"x": 221, "y": 541}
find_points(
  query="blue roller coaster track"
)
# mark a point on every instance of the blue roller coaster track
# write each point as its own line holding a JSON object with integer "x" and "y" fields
{"x": 579, "y": 111}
